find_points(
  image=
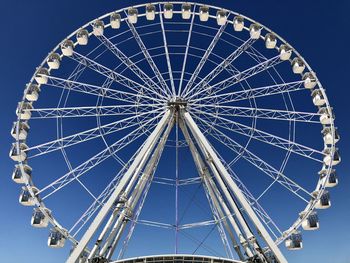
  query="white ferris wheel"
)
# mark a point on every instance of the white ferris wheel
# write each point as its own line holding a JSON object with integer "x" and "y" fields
{"x": 158, "y": 79}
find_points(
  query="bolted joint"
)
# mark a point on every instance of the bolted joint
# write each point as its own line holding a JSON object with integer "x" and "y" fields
{"x": 128, "y": 213}
{"x": 123, "y": 198}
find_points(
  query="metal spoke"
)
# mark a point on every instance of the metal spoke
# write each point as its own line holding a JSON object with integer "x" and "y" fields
{"x": 266, "y": 168}
{"x": 265, "y": 137}
{"x": 186, "y": 52}
{"x": 272, "y": 114}
{"x": 86, "y": 88}
{"x": 97, "y": 159}
{"x": 111, "y": 74}
{"x": 86, "y": 135}
{"x": 93, "y": 111}
{"x": 203, "y": 60}
{"x": 149, "y": 58}
{"x": 251, "y": 93}
{"x": 225, "y": 64}
{"x": 222, "y": 85}
{"x": 131, "y": 65}
{"x": 170, "y": 71}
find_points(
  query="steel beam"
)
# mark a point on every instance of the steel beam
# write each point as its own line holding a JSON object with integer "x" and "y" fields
{"x": 150, "y": 143}
{"x": 215, "y": 161}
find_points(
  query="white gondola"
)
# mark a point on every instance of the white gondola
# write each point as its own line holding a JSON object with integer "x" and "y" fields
{"x": 254, "y": 31}
{"x": 18, "y": 156}
{"x": 309, "y": 80}
{"x": 41, "y": 75}
{"x": 311, "y": 222}
{"x": 328, "y": 136}
{"x": 132, "y": 15}
{"x": 325, "y": 117}
{"x": 54, "y": 61}
{"x": 82, "y": 37}
{"x": 324, "y": 202}
{"x": 23, "y": 110}
{"x": 150, "y": 12}
{"x": 168, "y": 11}
{"x": 318, "y": 98}
{"x": 294, "y": 242}
{"x": 186, "y": 11}
{"x": 67, "y": 48}
{"x": 39, "y": 219}
{"x": 221, "y": 17}
{"x": 332, "y": 179}
{"x": 285, "y": 52}
{"x": 56, "y": 239}
{"x": 298, "y": 65}
{"x": 115, "y": 20}
{"x": 98, "y": 28}
{"x": 25, "y": 198}
{"x": 204, "y": 13}
{"x": 19, "y": 177}
{"x": 23, "y": 130}
{"x": 328, "y": 160}
{"x": 32, "y": 92}
{"x": 270, "y": 41}
{"x": 238, "y": 23}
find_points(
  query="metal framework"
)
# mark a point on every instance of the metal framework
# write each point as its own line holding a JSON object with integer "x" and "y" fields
{"x": 218, "y": 90}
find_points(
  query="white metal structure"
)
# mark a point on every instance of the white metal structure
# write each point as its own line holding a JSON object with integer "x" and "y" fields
{"x": 136, "y": 77}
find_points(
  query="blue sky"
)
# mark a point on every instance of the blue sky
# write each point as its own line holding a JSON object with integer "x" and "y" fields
{"x": 31, "y": 29}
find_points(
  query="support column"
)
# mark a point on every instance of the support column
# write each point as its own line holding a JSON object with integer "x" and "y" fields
{"x": 214, "y": 159}
{"x": 145, "y": 178}
{"x": 215, "y": 196}
{"x": 150, "y": 143}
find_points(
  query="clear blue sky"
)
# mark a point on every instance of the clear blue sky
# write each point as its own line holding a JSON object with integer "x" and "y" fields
{"x": 317, "y": 29}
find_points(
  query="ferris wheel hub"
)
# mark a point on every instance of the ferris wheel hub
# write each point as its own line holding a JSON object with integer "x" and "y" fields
{"x": 177, "y": 102}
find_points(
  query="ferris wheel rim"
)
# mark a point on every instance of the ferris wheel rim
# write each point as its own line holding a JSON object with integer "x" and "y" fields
{"x": 320, "y": 185}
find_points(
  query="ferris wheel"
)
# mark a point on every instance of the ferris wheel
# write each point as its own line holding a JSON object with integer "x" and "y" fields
{"x": 158, "y": 79}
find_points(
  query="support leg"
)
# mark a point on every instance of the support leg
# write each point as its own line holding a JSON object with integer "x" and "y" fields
{"x": 217, "y": 164}
{"x": 150, "y": 143}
